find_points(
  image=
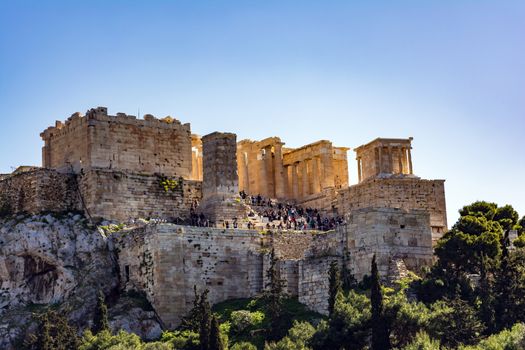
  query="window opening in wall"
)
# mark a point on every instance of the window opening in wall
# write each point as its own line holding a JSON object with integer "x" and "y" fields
{"x": 127, "y": 273}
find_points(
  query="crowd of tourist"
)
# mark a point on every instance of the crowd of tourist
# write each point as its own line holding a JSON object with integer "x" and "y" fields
{"x": 287, "y": 216}
{"x": 270, "y": 214}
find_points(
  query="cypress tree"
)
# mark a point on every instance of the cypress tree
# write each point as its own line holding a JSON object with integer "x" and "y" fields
{"x": 205, "y": 324}
{"x": 192, "y": 320}
{"x": 380, "y": 333}
{"x": 486, "y": 295}
{"x": 334, "y": 285}
{"x": 274, "y": 297}
{"x": 215, "y": 335}
{"x": 100, "y": 319}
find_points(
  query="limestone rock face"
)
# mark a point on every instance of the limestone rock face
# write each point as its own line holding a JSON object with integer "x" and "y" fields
{"x": 61, "y": 261}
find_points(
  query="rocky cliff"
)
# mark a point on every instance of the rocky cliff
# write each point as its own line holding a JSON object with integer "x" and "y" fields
{"x": 61, "y": 262}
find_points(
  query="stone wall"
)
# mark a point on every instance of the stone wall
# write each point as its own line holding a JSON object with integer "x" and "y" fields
{"x": 313, "y": 289}
{"x": 390, "y": 234}
{"x": 220, "y": 183}
{"x": 121, "y": 195}
{"x": 119, "y": 142}
{"x": 406, "y": 193}
{"x": 38, "y": 191}
{"x": 166, "y": 261}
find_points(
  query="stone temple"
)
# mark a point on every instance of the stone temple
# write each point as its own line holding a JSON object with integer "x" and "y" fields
{"x": 121, "y": 168}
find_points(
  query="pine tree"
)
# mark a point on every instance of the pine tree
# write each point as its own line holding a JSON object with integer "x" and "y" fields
{"x": 334, "y": 285}
{"x": 215, "y": 335}
{"x": 380, "y": 333}
{"x": 45, "y": 342}
{"x": 274, "y": 297}
{"x": 205, "y": 324}
{"x": 100, "y": 319}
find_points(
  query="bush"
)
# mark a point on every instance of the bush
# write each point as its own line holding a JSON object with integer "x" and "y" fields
{"x": 243, "y": 320}
{"x": 183, "y": 340}
{"x": 422, "y": 341}
{"x": 513, "y": 339}
{"x": 243, "y": 346}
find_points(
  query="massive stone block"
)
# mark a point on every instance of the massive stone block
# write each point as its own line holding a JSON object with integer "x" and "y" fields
{"x": 220, "y": 186}
{"x": 118, "y": 142}
{"x": 404, "y": 192}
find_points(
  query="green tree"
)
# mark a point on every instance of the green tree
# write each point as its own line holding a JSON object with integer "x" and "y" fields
{"x": 205, "y": 324}
{"x": 380, "y": 332}
{"x": 54, "y": 333}
{"x": 100, "y": 319}
{"x": 455, "y": 322}
{"x": 480, "y": 209}
{"x": 486, "y": 296}
{"x": 507, "y": 217}
{"x": 334, "y": 285}
{"x": 192, "y": 320}
{"x": 510, "y": 289}
{"x": 215, "y": 335}
{"x": 274, "y": 296}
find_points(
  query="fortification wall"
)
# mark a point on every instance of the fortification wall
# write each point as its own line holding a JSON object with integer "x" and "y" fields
{"x": 121, "y": 195}
{"x": 227, "y": 262}
{"x": 38, "y": 191}
{"x": 390, "y": 234}
{"x": 313, "y": 289}
{"x": 405, "y": 193}
{"x": 119, "y": 142}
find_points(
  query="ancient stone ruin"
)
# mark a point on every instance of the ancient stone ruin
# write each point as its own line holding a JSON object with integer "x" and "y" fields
{"x": 210, "y": 198}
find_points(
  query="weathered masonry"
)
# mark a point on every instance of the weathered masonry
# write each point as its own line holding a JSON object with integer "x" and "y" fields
{"x": 120, "y": 168}
{"x": 166, "y": 261}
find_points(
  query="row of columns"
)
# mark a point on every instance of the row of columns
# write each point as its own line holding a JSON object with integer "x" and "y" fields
{"x": 404, "y": 158}
{"x": 308, "y": 176}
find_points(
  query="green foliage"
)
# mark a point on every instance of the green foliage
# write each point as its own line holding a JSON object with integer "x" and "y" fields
{"x": 100, "y": 319}
{"x": 334, "y": 285}
{"x": 54, "y": 332}
{"x": 509, "y": 289}
{"x": 422, "y": 341}
{"x": 120, "y": 341}
{"x": 205, "y": 321}
{"x": 273, "y": 297}
{"x": 405, "y": 319}
{"x": 215, "y": 335}
{"x": 297, "y": 339}
{"x": 170, "y": 184}
{"x": 480, "y": 209}
{"x": 460, "y": 249}
{"x": 380, "y": 332}
{"x": 244, "y": 345}
{"x": 513, "y": 339}
{"x": 192, "y": 320}
{"x": 455, "y": 323}
{"x": 243, "y": 320}
{"x": 182, "y": 339}
{"x": 506, "y": 216}
{"x": 349, "y": 323}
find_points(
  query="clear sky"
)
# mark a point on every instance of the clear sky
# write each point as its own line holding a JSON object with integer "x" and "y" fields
{"x": 450, "y": 73}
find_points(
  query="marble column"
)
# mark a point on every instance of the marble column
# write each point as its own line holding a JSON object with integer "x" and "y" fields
{"x": 295, "y": 181}
{"x": 270, "y": 184}
{"x": 327, "y": 166}
{"x": 263, "y": 176}
{"x": 315, "y": 175}
{"x": 410, "y": 161}
{"x": 279, "y": 172}
{"x": 306, "y": 184}
{"x": 380, "y": 163}
{"x": 400, "y": 160}
{"x": 359, "y": 174}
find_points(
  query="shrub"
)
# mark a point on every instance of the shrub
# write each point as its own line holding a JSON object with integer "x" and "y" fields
{"x": 243, "y": 320}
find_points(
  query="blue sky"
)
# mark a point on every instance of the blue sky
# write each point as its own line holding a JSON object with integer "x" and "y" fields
{"x": 449, "y": 73}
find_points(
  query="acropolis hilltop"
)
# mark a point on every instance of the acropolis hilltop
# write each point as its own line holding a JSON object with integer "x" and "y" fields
{"x": 218, "y": 200}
